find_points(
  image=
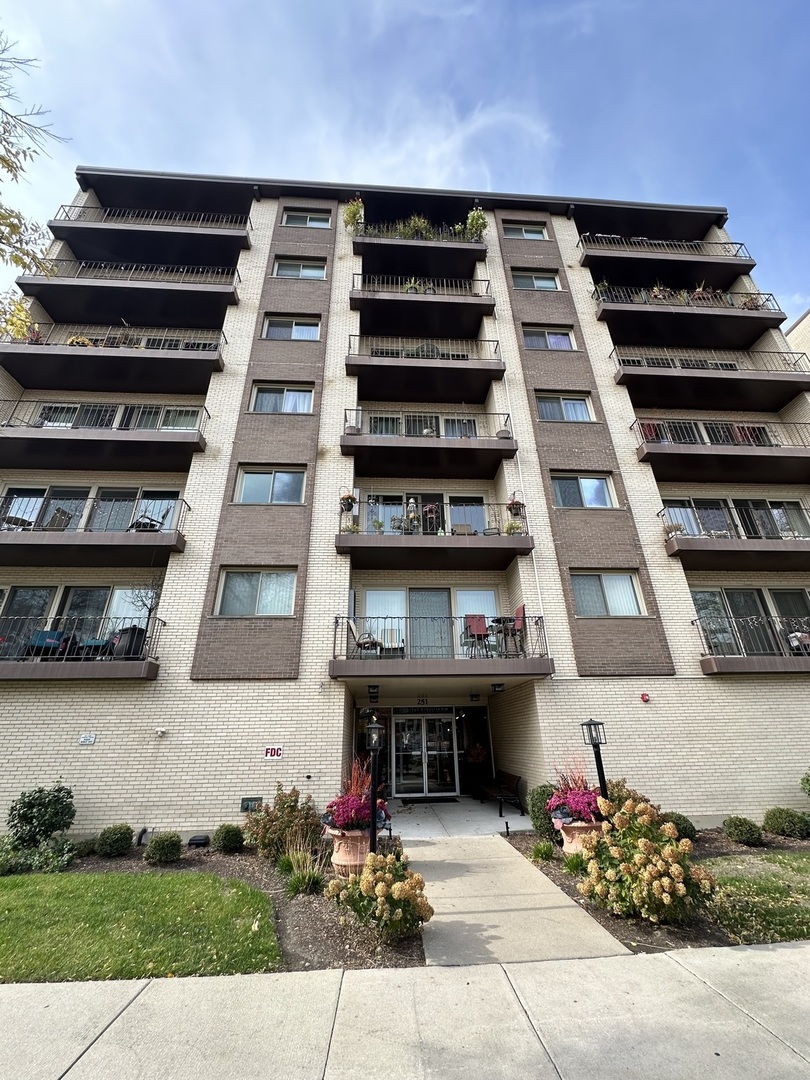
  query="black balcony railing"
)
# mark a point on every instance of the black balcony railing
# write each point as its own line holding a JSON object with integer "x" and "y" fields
{"x": 754, "y": 635}
{"x": 103, "y": 416}
{"x": 91, "y": 335}
{"x": 708, "y": 248}
{"x": 787, "y": 521}
{"x": 635, "y": 356}
{"x": 424, "y": 348}
{"x": 720, "y": 433}
{"x": 408, "y": 230}
{"x": 427, "y": 425}
{"x": 384, "y": 283}
{"x": 71, "y": 638}
{"x": 383, "y": 517}
{"x": 460, "y": 637}
{"x": 171, "y": 218}
{"x": 62, "y": 514}
{"x": 692, "y": 298}
{"x": 131, "y": 271}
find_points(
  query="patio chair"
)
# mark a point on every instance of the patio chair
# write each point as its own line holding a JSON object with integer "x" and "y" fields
{"x": 364, "y": 644}
{"x": 476, "y": 636}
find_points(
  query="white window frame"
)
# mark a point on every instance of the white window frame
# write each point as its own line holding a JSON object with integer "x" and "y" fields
{"x": 525, "y": 227}
{"x": 562, "y": 398}
{"x": 550, "y": 276}
{"x": 533, "y": 329}
{"x": 293, "y": 387}
{"x": 268, "y": 470}
{"x": 556, "y": 475}
{"x": 296, "y": 322}
{"x": 308, "y": 214}
{"x": 225, "y": 570}
{"x": 631, "y": 574}
{"x": 300, "y": 263}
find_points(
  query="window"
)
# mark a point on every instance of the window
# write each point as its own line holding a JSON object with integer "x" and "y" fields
{"x": 281, "y": 399}
{"x": 599, "y": 595}
{"x": 308, "y": 219}
{"x": 538, "y": 337}
{"x": 280, "y": 328}
{"x": 592, "y": 492}
{"x": 513, "y": 230}
{"x": 245, "y": 593}
{"x": 564, "y": 408}
{"x": 300, "y": 268}
{"x": 525, "y": 279}
{"x": 270, "y": 486}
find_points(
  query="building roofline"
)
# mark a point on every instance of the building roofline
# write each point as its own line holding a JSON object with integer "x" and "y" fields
{"x": 798, "y": 321}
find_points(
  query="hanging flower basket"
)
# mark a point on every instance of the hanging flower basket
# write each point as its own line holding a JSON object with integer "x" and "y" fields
{"x": 347, "y": 503}
{"x": 515, "y": 507}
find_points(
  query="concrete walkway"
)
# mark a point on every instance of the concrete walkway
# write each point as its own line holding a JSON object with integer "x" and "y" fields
{"x": 492, "y": 906}
{"x": 713, "y": 1014}
{"x": 463, "y": 816}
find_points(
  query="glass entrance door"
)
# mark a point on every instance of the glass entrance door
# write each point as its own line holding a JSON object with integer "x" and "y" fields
{"x": 424, "y": 756}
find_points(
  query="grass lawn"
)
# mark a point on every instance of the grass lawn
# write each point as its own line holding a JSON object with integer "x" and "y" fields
{"x": 66, "y": 927}
{"x": 762, "y": 897}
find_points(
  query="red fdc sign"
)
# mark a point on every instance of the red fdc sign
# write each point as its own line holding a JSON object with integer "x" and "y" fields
{"x": 273, "y": 753}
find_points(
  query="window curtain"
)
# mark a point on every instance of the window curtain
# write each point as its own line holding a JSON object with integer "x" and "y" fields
{"x": 476, "y": 602}
{"x": 576, "y": 410}
{"x": 549, "y": 409}
{"x": 588, "y": 596}
{"x": 385, "y": 615}
{"x": 620, "y": 594}
{"x": 276, "y": 594}
{"x": 297, "y": 401}
{"x": 594, "y": 491}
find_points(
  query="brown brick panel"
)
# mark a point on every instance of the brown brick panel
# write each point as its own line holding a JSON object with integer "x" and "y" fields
{"x": 620, "y": 647}
{"x": 248, "y": 648}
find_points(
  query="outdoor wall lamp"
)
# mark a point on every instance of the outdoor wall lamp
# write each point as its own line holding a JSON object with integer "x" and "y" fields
{"x": 593, "y": 734}
{"x": 497, "y": 688}
{"x": 374, "y": 740}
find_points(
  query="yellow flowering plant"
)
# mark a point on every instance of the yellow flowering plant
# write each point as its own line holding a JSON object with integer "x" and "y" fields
{"x": 386, "y": 894}
{"x": 638, "y": 866}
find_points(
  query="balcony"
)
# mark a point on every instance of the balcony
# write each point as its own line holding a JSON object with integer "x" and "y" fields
{"x": 624, "y": 260}
{"x": 431, "y": 445}
{"x": 695, "y": 318}
{"x": 385, "y": 535}
{"x": 114, "y": 359}
{"x": 134, "y": 293}
{"x": 424, "y": 369}
{"x": 725, "y": 451}
{"x": 753, "y": 535}
{"x": 400, "y": 247}
{"x": 166, "y": 236}
{"x": 100, "y": 436}
{"x": 64, "y": 531}
{"x": 79, "y": 647}
{"x": 439, "y": 307}
{"x": 756, "y": 645}
{"x": 699, "y": 378}
{"x": 463, "y": 651}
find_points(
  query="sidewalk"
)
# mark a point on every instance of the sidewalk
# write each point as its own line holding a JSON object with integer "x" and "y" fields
{"x": 713, "y": 1014}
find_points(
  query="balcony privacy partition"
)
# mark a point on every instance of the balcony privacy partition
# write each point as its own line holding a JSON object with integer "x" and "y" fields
{"x": 423, "y": 368}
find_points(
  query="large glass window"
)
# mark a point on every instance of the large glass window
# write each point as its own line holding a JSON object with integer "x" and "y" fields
{"x": 600, "y": 595}
{"x": 293, "y": 328}
{"x": 540, "y": 337}
{"x": 300, "y": 268}
{"x": 592, "y": 492}
{"x": 281, "y": 399}
{"x": 257, "y": 592}
{"x": 271, "y": 486}
{"x": 558, "y": 407}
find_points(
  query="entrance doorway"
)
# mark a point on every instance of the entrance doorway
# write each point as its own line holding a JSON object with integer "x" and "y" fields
{"x": 424, "y": 749}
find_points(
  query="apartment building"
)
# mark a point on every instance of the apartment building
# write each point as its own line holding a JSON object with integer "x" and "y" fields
{"x": 492, "y": 464}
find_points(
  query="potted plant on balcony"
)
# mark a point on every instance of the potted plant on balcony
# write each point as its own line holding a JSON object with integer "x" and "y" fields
{"x": 475, "y": 226}
{"x": 660, "y": 292}
{"x": 515, "y": 505}
{"x": 752, "y": 302}
{"x": 377, "y": 525}
{"x": 353, "y": 216}
{"x": 513, "y": 527}
{"x": 81, "y": 342}
{"x": 412, "y": 285}
{"x": 347, "y": 501}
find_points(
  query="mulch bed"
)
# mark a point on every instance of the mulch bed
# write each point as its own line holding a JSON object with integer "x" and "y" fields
{"x": 639, "y": 935}
{"x": 312, "y": 931}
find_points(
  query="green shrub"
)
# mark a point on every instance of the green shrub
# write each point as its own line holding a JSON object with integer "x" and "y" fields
{"x": 784, "y": 822}
{"x": 743, "y": 831}
{"x": 164, "y": 847}
{"x": 284, "y": 864}
{"x": 637, "y": 866}
{"x": 576, "y": 863}
{"x": 83, "y": 848}
{"x": 49, "y": 857}
{"x": 543, "y": 851}
{"x": 804, "y": 783}
{"x": 682, "y": 823}
{"x": 541, "y": 818}
{"x": 114, "y": 840}
{"x": 229, "y": 839}
{"x": 619, "y": 793}
{"x": 40, "y": 813}
{"x": 386, "y": 894}
{"x": 269, "y": 828}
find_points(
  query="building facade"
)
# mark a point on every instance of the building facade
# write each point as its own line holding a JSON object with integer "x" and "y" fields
{"x": 492, "y": 465}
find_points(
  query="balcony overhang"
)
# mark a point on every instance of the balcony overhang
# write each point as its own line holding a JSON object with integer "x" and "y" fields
{"x": 152, "y": 371}
{"x": 98, "y": 449}
{"x": 68, "y": 671}
{"x": 402, "y": 378}
{"x": 682, "y": 388}
{"x": 755, "y": 665}
{"x": 728, "y": 464}
{"x": 72, "y": 548}
{"x": 693, "y": 327}
{"x": 679, "y": 270}
{"x": 432, "y": 459}
{"x": 137, "y": 242}
{"x": 134, "y": 303}
{"x": 396, "y": 677}
{"x": 372, "y": 552}
{"x": 733, "y": 553}
{"x": 407, "y": 314}
{"x": 423, "y": 258}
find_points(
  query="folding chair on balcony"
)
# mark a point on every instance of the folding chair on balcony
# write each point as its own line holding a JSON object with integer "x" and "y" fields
{"x": 475, "y": 640}
{"x": 363, "y": 644}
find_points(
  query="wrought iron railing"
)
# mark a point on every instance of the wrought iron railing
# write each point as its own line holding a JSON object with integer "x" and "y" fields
{"x": 103, "y": 415}
{"x": 720, "y": 433}
{"x": 428, "y": 425}
{"x": 92, "y": 335}
{"x": 638, "y": 356}
{"x": 696, "y": 298}
{"x": 71, "y": 639}
{"x": 787, "y": 521}
{"x": 427, "y": 286}
{"x": 424, "y": 348}
{"x": 754, "y": 635}
{"x": 136, "y": 271}
{"x": 178, "y": 218}
{"x": 380, "y": 516}
{"x": 440, "y": 637}
{"x": 54, "y": 513}
{"x": 406, "y": 230}
{"x": 713, "y": 248}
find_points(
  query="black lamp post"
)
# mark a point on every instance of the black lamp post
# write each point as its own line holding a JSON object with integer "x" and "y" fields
{"x": 593, "y": 732}
{"x": 374, "y": 741}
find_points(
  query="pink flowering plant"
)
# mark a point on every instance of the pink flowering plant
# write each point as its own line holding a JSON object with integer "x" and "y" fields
{"x": 573, "y": 799}
{"x": 352, "y": 808}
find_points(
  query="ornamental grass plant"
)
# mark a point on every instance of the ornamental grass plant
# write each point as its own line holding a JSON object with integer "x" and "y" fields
{"x": 386, "y": 895}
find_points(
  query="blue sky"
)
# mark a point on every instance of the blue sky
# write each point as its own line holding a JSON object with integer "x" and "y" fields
{"x": 700, "y": 101}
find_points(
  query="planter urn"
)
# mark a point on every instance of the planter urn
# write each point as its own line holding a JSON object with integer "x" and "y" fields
{"x": 349, "y": 851}
{"x": 573, "y": 832}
